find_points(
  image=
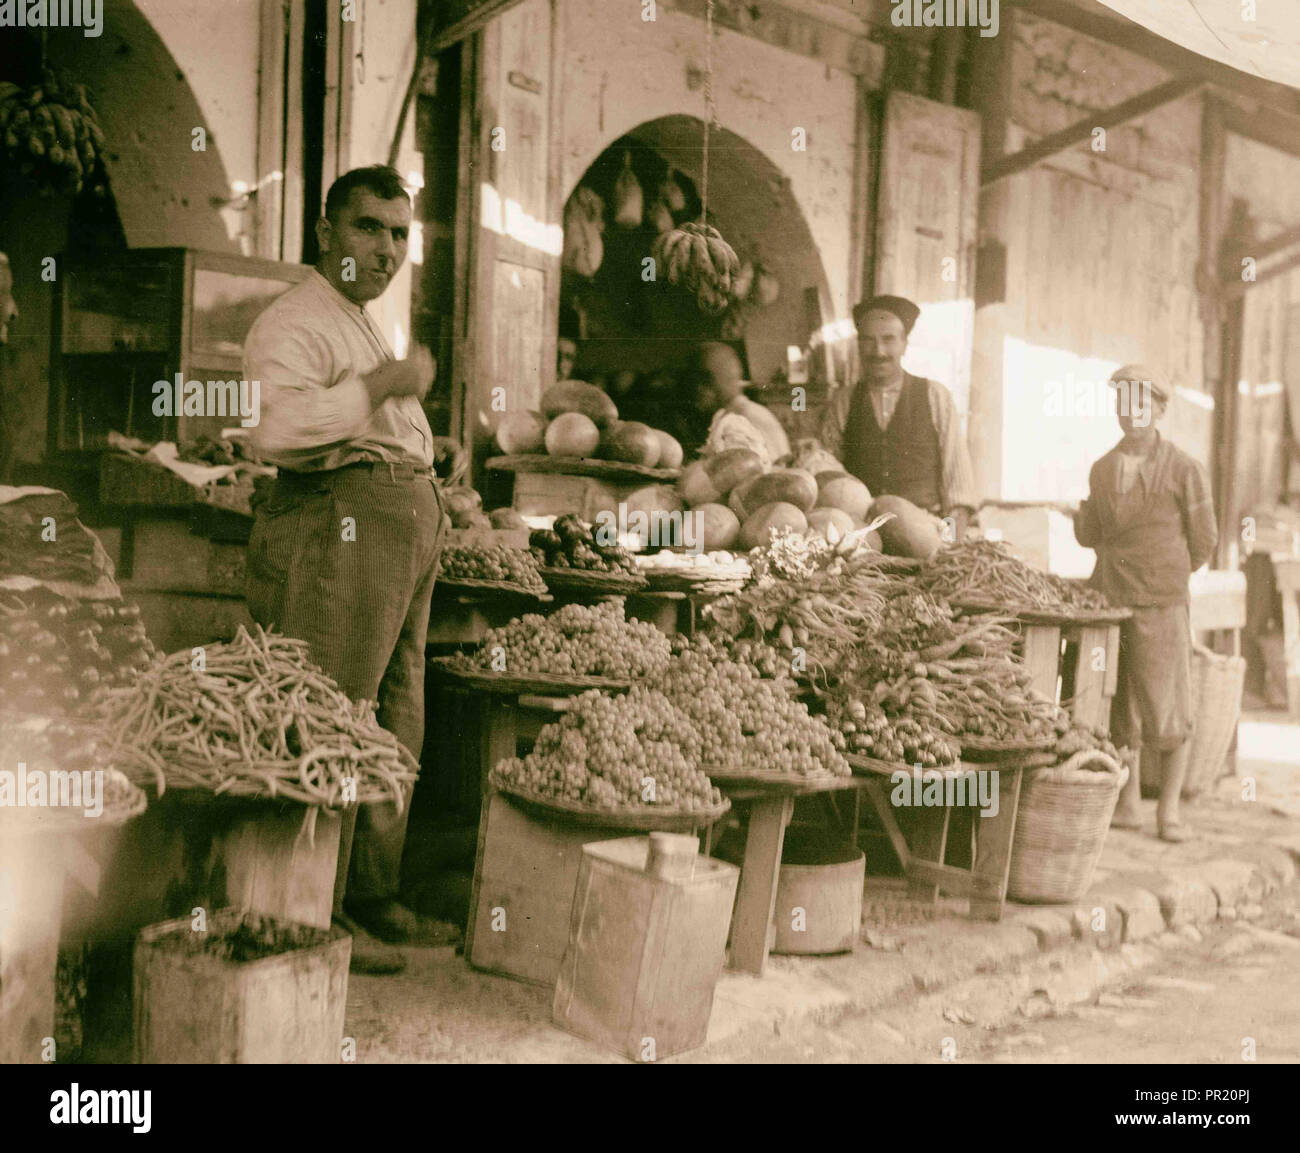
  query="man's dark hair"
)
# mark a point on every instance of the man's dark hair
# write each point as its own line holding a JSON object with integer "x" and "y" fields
{"x": 383, "y": 181}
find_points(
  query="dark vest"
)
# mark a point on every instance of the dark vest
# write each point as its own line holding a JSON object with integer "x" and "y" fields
{"x": 903, "y": 459}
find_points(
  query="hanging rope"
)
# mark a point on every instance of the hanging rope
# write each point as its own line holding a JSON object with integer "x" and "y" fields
{"x": 710, "y": 112}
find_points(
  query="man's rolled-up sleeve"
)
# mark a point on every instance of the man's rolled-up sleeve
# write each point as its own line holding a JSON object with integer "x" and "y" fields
{"x": 303, "y": 411}
{"x": 958, "y": 472}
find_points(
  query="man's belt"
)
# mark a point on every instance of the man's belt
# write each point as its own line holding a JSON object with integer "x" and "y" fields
{"x": 397, "y": 470}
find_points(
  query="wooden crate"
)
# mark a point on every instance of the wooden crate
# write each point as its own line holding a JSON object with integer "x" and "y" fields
{"x": 644, "y": 952}
{"x": 550, "y": 494}
{"x": 525, "y": 872}
{"x": 275, "y": 864}
{"x": 31, "y": 909}
{"x": 195, "y": 1008}
{"x": 1078, "y": 663}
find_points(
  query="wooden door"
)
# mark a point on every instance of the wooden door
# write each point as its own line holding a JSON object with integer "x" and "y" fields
{"x": 925, "y": 231}
{"x": 515, "y": 239}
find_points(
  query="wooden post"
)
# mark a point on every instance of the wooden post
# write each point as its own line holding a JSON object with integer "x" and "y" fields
{"x": 993, "y": 857}
{"x": 751, "y": 924}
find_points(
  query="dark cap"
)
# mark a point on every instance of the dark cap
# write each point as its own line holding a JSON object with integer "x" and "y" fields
{"x": 900, "y": 306}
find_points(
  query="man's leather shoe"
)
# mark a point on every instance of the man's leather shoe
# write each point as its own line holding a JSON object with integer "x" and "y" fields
{"x": 386, "y": 919}
{"x": 368, "y": 955}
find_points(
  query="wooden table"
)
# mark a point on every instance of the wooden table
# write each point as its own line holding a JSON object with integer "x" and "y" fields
{"x": 924, "y": 863}
{"x": 771, "y": 805}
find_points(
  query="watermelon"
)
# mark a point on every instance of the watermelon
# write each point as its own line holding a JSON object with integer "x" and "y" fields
{"x": 632, "y": 442}
{"x": 846, "y": 493}
{"x": 912, "y": 532}
{"x": 779, "y": 514}
{"x": 787, "y": 485}
{"x": 695, "y": 485}
{"x": 578, "y": 396}
{"x": 823, "y": 520}
{"x": 521, "y": 431}
{"x": 716, "y": 527}
{"x": 670, "y": 451}
{"x": 732, "y": 467}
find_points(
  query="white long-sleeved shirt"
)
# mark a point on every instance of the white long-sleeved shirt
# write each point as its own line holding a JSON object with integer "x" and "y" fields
{"x": 309, "y": 351}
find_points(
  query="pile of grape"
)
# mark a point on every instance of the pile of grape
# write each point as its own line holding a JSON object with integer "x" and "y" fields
{"x": 491, "y": 563}
{"x": 579, "y": 640}
{"x": 745, "y": 722}
{"x": 614, "y": 752}
{"x": 54, "y": 652}
{"x": 764, "y": 658}
{"x": 866, "y": 728}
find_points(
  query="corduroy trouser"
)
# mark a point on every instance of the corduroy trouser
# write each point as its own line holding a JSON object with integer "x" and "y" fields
{"x": 346, "y": 560}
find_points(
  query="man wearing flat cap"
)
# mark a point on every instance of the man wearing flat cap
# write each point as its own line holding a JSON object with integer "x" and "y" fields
{"x": 896, "y": 432}
{"x": 1150, "y": 517}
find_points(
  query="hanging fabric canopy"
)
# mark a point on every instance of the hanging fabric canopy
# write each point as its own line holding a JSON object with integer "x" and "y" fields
{"x": 1267, "y": 47}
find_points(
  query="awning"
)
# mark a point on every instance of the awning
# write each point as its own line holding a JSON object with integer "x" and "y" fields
{"x": 1267, "y": 47}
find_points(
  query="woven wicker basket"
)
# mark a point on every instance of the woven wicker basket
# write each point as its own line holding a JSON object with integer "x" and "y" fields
{"x": 1217, "y": 682}
{"x": 1061, "y": 826}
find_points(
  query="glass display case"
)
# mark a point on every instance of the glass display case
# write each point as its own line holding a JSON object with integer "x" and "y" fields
{"x": 126, "y": 320}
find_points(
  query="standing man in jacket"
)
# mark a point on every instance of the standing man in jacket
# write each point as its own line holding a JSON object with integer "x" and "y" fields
{"x": 1150, "y": 516}
{"x": 899, "y": 433}
{"x": 345, "y": 551}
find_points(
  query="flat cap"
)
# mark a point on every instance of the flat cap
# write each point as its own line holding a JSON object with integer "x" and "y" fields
{"x": 1143, "y": 374}
{"x": 900, "y": 306}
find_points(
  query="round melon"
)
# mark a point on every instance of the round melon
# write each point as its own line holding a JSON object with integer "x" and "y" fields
{"x": 633, "y": 443}
{"x": 846, "y": 493}
{"x": 716, "y": 527}
{"x": 823, "y": 520}
{"x": 670, "y": 451}
{"x": 788, "y": 485}
{"x": 779, "y": 514}
{"x": 696, "y": 486}
{"x": 732, "y": 467}
{"x": 911, "y": 532}
{"x": 578, "y": 396}
{"x": 522, "y": 431}
{"x": 506, "y": 518}
{"x": 830, "y": 474}
{"x": 572, "y": 434}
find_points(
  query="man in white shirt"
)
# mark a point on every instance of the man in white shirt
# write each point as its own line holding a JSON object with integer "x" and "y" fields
{"x": 345, "y": 551}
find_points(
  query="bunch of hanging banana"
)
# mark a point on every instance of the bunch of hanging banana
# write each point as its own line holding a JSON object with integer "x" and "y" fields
{"x": 52, "y": 135}
{"x": 696, "y": 257}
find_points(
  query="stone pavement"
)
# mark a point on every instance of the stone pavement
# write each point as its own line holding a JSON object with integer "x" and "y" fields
{"x": 441, "y": 1010}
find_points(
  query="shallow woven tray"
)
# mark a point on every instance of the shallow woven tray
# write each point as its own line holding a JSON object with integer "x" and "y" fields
{"x": 680, "y": 582}
{"x": 789, "y": 782}
{"x": 509, "y": 685}
{"x": 864, "y": 766}
{"x": 570, "y": 578}
{"x": 653, "y": 818}
{"x": 1033, "y": 616}
{"x": 22, "y": 822}
{"x": 472, "y": 584}
{"x": 578, "y": 466}
{"x": 985, "y": 749}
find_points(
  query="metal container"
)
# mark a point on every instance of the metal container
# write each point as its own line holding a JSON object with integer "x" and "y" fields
{"x": 818, "y": 896}
{"x": 645, "y": 952}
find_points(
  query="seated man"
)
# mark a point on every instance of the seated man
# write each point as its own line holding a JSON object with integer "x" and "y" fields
{"x": 718, "y": 392}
